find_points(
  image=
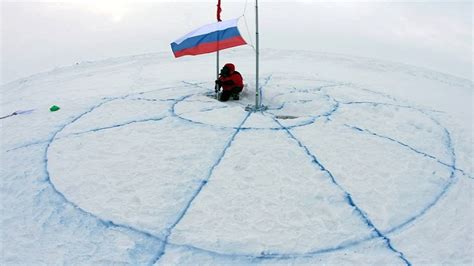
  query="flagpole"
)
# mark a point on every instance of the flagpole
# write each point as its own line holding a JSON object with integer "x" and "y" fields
{"x": 217, "y": 62}
{"x": 217, "y": 53}
{"x": 257, "y": 89}
{"x": 216, "y": 87}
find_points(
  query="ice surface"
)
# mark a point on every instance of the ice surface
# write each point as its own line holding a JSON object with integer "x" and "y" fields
{"x": 356, "y": 161}
{"x": 260, "y": 201}
{"x": 380, "y": 174}
{"x": 147, "y": 183}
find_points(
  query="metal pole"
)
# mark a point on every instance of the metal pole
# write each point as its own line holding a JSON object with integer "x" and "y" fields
{"x": 217, "y": 69}
{"x": 217, "y": 53}
{"x": 257, "y": 89}
{"x": 217, "y": 65}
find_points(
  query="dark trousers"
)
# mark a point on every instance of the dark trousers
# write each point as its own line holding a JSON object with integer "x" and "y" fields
{"x": 225, "y": 94}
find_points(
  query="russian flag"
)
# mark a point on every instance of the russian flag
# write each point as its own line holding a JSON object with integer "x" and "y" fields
{"x": 209, "y": 38}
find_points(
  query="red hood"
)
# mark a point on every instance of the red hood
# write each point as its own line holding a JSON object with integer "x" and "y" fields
{"x": 231, "y": 67}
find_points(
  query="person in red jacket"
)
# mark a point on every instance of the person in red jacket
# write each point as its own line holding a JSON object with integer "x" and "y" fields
{"x": 231, "y": 82}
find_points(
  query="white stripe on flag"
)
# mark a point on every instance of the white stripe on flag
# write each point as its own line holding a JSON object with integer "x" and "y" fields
{"x": 225, "y": 24}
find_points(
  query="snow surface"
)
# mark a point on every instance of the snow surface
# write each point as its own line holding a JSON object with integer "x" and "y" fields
{"x": 356, "y": 161}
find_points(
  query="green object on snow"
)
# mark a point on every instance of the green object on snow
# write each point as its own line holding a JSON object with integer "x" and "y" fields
{"x": 54, "y": 108}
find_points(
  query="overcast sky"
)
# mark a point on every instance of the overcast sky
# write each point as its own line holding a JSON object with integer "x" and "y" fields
{"x": 38, "y": 36}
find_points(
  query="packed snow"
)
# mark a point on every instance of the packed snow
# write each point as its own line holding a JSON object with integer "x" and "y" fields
{"x": 355, "y": 161}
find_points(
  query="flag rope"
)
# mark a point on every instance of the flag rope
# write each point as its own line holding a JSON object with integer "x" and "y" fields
{"x": 247, "y": 26}
{"x": 248, "y": 33}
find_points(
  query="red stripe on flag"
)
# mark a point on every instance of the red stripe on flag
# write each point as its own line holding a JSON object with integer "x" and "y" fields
{"x": 211, "y": 47}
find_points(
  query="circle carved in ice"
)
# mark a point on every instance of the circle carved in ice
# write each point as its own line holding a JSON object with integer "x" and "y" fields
{"x": 205, "y": 174}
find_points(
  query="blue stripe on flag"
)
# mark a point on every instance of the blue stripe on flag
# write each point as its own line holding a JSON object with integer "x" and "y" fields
{"x": 207, "y": 38}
